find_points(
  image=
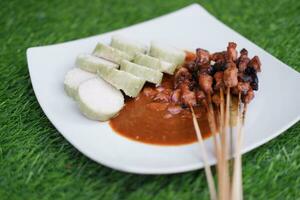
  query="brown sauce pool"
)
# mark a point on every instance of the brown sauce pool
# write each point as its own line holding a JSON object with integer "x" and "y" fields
{"x": 150, "y": 122}
{"x": 145, "y": 120}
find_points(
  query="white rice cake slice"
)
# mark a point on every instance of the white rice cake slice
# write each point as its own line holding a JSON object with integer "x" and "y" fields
{"x": 167, "y": 53}
{"x": 73, "y": 79}
{"x": 110, "y": 53}
{"x": 150, "y": 75}
{"x": 98, "y": 100}
{"x": 92, "y": 63}
{"x": 127, "y": 45}
{"x": 130, "y": 84}
{"x": 154, "y": 63}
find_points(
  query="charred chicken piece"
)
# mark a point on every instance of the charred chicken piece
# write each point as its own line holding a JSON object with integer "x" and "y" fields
{"x": 188, "y": 97}
{"x": 216, "y": 99}
{"x": 248, "y": 96}
{"x": 234, "y": 91}
{"x": 244, "y": 77}
{"x": 205, "y": 83}
{"x": 200, "y": 95}
{"x": 203, "y": 56}
{"x": 219, "y": 66}
{"x": 205, "y": 68}
{"x": 243, "y": 60}
{"x": 244, "y": 52}
{"x": 219, "y": 80}
{"x": 231, "y": 52}
{"x": 230, "y": 75}
{"x": 255, "y": 63}
{"x": 250, "y": 71}
{"x": 242, "y": 87}
{"x": 219, "y": 57}
{"x": 181, "y": 75}
{"x": 191, "y": 66}
{"x": 254, "y": 82}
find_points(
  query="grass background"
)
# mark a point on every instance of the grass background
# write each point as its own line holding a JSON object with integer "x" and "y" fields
{"x": 36, "y": 162}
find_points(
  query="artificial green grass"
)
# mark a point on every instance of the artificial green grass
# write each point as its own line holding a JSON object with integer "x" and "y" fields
{"x": 36, "y": 162}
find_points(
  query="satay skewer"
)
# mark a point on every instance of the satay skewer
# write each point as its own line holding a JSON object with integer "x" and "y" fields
{"x": 205, "y": 83}
{"x": 208, "y": 173}
{"x": 238, "y": 74}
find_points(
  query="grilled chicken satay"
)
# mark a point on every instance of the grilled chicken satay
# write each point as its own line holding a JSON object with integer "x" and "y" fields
{"x": 243, "y": 60}
{"x": 255, "y": 63}
{"x": 231, "y": 52}
{"x": 219, "y": 82}
{"x": 200, "y": 95}
{"x": 203, "y": 56}
{"x": 206, "y": 74}
{"x": 237, "y": 74}
{"x": 188, "y": 96}
{"x": 205, "y": 82}
{"x": 181, "y": 76}
{"x": 230, "y": 76}
{"x": 183, "y": 84}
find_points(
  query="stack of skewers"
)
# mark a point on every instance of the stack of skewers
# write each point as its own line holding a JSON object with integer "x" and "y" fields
{"x": 214, "y": 80}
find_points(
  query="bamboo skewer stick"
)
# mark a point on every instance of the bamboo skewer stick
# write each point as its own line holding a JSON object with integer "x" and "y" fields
{"x": 213, "y": 128}
{"x": 237, "y": 190}
{"x": 221, "y": 178}
{"x": 240, "y": 153}
{"x": 223, "y": 136}
{"x": 221, "y": 124}
{"x": 209, "y": 177}
{"x": 225, "y": 180}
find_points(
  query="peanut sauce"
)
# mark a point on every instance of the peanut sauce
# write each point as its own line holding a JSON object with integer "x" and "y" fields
{"x": 145, "y": 120}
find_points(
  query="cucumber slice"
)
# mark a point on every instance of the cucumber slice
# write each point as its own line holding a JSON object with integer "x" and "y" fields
{"x": 127, "y": 45}
{"x": 98, "y": 100}
{"x": 142, "y": 72}
{"x": 92, "y": 63}
{"x": 73, "y": 79}
{"x": 167, "y": 53}
{"x": 125, "y": 81}
{"x": 154, "y": 63}
{"x": 110, "y": 53}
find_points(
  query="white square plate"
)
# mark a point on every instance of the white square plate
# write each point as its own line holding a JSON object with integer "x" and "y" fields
{"x": 275, "y": 107}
